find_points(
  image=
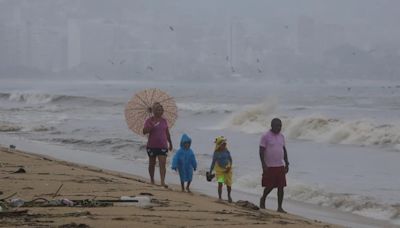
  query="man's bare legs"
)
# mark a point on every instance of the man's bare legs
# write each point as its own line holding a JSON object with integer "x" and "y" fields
{"x": 264, "y": 197}
{"x": 280, "y": 200}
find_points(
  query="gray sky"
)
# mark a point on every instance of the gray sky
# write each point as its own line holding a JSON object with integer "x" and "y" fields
{"x": 208, "y": 37}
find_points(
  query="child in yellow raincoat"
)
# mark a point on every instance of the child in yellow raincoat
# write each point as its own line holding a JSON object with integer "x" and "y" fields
{"x": 222, "y": 163}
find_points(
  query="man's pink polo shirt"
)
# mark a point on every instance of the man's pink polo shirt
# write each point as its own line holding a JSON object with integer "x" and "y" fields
{"x": 273, "y": 144}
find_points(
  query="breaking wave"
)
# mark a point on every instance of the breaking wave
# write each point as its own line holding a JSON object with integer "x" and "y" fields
{"x": 9, "y": 127}
{"x": 256, "y": 119}
{"x": 44, "y": 98}
{"x": 200, "y": 108}
{"x": 12, "y": 127}
{"x": 360, "y": 132}
{"x": 117, "y": 147}
{"x": 356, "y": 204}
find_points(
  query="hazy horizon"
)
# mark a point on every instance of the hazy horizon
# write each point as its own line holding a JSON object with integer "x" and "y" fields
{"x": 203, "y": 40}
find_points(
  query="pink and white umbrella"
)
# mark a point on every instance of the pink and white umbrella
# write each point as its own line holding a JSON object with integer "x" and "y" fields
{"x": 139, "y": 108}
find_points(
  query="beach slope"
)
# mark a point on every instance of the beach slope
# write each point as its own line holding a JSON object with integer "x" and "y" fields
{"x": 40, "y": 181}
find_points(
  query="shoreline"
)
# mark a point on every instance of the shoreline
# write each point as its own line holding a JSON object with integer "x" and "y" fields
{"x": 47, "y": 177}
{"x": 107, "y": 162}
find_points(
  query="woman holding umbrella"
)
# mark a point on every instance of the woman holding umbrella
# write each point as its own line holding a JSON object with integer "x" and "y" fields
{"x": 151, "y": 112}
{"x": 159, "y": 141}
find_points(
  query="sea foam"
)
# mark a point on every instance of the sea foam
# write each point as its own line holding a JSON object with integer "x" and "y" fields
{"x": 315, "y": 127}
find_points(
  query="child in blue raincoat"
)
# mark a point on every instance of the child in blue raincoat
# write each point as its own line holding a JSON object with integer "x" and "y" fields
{"x": 184, "y": 162}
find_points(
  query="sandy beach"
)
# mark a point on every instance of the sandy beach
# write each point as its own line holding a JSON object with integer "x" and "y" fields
{"x": 47, "y": 180}
{"x": 79, "y": 80}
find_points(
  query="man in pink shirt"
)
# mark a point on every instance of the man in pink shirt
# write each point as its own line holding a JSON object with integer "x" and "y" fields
{"x": 274, "y": 161}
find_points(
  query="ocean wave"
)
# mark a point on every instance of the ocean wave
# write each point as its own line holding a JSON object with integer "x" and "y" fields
{"x": 12, "y": 127}
{"x": 359, "y": 132}
{"x": 256, "y": 119}
{"x": 117, "y": 147}
{"x": 9, "y": 127}
{"x": 42, "y": 128}
{"x": 360, "y": 205}
{"x": 44, "y": 98}
{"x": 250, "y": 118}
{"x": 200, "y": 108}
{"x": 101, "y": 142}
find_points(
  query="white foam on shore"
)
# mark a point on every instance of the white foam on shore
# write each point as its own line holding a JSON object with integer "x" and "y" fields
{"x": 360, "y": 205}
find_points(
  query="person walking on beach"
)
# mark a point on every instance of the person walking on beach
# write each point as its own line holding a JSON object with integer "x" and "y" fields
{"x": 274, "y": 161}
{"x": 159, "y": 141}
{"x": 184, "y": 162}
{"x": 222, "y": 162}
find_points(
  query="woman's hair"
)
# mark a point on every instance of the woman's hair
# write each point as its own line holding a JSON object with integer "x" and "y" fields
{"x": 155, "y": 105}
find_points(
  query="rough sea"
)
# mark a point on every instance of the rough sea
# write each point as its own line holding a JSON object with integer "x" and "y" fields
{"x": 343, "y": 137}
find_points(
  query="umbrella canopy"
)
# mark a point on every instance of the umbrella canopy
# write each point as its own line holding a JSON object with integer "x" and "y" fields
{"x": 139, "y": 108}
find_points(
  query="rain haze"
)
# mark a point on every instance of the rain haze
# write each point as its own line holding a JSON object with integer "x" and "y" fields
{"x": 330, "y": 70}
{"x": 201, "y": 40}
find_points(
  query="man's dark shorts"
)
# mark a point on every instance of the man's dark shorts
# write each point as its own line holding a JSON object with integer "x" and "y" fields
{"x": 153, "y": 152}
{"x": 274, "y": 177}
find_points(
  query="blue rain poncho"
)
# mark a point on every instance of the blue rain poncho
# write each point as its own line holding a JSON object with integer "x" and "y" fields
{"x": 184, "y": 160}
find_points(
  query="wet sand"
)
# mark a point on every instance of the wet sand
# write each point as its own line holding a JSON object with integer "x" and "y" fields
{"x": 50, "y": 179}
